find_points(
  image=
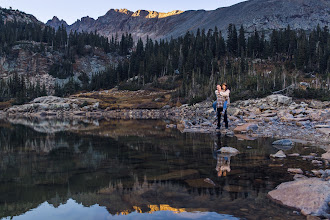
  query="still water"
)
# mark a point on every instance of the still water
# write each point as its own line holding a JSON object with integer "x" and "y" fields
{"x": 136, "y": 170}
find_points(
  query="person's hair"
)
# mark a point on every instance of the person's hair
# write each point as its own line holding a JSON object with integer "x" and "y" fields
{"x": 224, "y": 84}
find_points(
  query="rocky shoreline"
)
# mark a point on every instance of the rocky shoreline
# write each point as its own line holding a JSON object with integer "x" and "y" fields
{"x": 275, "y": 116}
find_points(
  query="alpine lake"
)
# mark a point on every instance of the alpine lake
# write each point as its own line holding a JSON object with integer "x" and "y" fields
{"x": 137, "y": 169}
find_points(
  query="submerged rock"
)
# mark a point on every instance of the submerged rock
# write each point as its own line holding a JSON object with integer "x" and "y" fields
{"x": 208, "y": 180}
{"x": 279, "y": 154}
{"x": 311, "y": 196}
{"x": 284, "y": 142}
{"x": 229, "y": 150}
{"x": 233, "y": 188}
{"x": 200, "y": 183}
{"x": 317, "y": 162}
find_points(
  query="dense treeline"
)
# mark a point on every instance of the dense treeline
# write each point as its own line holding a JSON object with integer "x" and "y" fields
{"x": 253, "y": 64}
{"x": 20, "y": 89}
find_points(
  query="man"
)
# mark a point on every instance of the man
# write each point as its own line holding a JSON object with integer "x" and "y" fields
{"x": 223, "y": 100}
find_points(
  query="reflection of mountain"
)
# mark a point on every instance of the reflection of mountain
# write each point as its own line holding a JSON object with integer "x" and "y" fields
{"x": 146, "y": 168}
{"x": 52, "y": 125}
{"x": 105, "y": 128}
{"x": 72, "y": 210}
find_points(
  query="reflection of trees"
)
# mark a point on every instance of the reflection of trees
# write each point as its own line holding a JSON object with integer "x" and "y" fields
{"x": 55, "y": 167}
{"x": 52, "y": 126}
{"x": 92, "y": 158}
{"x": 151, "y": 196}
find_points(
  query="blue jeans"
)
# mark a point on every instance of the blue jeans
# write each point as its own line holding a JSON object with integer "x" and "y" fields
{"x": 215, "y": 106}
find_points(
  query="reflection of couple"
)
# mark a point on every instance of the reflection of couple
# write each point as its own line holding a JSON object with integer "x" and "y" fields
{"x": 223, "y": 164}
{"x": 222, "y": 157}
{"x": 222, "y": 93}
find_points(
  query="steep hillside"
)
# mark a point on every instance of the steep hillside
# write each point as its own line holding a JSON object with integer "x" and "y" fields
{"x": 18, "y": 16}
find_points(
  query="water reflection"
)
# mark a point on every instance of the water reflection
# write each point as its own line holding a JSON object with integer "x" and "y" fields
{"x": 73, "y": 210}
{"x": 223, "y": 155}
{"x": 135, "y": 167}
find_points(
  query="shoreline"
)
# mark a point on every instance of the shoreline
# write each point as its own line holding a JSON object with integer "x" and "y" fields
{"x": 275, "y": 116}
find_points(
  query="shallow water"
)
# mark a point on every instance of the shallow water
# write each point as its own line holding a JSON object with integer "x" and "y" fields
{"x": 136, "y": 170}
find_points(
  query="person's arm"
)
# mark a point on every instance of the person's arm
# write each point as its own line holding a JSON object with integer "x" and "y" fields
{"x": 226, "y": 94}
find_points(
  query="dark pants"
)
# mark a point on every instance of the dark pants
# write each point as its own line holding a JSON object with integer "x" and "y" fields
{"x": 225, "y": 118}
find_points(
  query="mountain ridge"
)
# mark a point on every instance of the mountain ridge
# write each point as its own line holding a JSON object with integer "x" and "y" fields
{"x": 253, "y": 14}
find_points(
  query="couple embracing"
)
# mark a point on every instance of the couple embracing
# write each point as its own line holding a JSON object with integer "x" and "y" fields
{"x": 222, "y": 93}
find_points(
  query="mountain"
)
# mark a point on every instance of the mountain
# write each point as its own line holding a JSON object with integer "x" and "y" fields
{"x": 24, "y": 53}
{"x": 56, "y": 23}
{"x": 253, "y": 14}
{"x": 15, "y": 15}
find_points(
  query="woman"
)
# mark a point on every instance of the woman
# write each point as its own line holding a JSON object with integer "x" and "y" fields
{"x": 223, "y": 100}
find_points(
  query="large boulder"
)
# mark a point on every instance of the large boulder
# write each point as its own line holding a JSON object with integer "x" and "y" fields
{"x": 233, "y": 111}
{"x": 311, "y": 196}
{"x": 279, "y": 99}
{"x": 248, "y": 127}
{"x": 48, "y": 99}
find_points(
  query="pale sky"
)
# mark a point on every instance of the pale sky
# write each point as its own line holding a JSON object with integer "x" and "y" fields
{"x": 71, "y": 10}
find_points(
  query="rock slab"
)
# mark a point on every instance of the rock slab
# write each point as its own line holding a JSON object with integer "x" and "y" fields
{"x": 311, "y": 196}
{"x": 246, "y": 128}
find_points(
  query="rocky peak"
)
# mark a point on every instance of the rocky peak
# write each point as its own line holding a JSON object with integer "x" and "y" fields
{"x": 123, "y": 11}
{"x": 87, "y": 19}
{"x": 55, "y": 22}
{"x": 140, "y": 13}
{"x": 55, "y": 19}
{"x": 155, "y": 14}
